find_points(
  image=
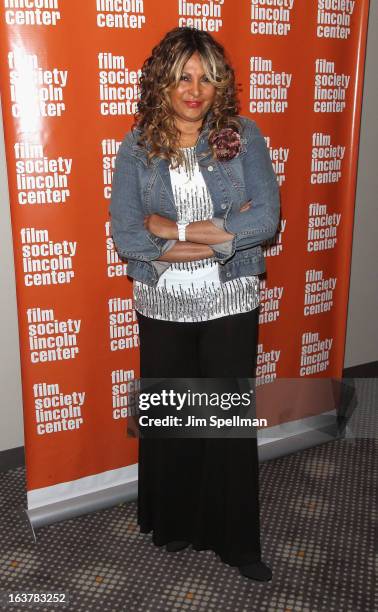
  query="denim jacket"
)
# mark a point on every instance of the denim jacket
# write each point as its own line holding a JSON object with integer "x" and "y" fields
{"x": 139, "y": 190}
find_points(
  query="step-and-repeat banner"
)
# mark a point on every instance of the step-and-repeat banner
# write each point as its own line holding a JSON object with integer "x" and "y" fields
{"x": 69, "y": 75}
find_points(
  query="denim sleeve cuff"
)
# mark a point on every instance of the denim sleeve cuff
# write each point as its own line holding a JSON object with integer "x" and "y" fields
{"x": 222, "y": 250}
{"x": 218, "y": 222}
{"x": 168, "y": 245}
{"x": 162, "y": 266}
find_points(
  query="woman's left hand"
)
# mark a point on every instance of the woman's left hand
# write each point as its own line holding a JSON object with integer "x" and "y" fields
{"x": 160, "y": 226}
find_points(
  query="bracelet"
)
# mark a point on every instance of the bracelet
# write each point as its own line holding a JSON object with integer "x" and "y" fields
{"x": 182, "y": 231}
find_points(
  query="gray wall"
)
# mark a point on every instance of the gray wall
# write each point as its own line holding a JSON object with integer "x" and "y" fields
{"x": 11, "y": 423}
{"x": 362, "y": 331}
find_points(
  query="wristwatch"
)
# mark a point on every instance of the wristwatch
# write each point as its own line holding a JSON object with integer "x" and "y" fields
{"x": 181, "y": 226}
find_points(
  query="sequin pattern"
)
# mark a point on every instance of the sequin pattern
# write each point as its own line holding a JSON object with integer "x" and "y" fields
{"x": 192, "y": 200}
{"x": 191, "y": 291}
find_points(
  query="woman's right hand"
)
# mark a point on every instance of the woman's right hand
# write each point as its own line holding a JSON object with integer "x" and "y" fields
{"x": 245, "y": 206}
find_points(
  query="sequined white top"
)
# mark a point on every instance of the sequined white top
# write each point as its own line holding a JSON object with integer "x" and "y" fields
{"x": 191, "y": 291}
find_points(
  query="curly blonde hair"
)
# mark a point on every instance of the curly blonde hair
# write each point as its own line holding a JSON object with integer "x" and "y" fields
{"x": 161, "y": 72}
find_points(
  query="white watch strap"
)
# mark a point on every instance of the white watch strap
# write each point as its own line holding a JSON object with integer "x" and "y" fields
{"x": 182, "y": 231}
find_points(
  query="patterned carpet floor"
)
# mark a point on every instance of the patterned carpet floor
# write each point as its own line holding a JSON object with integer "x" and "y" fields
{"x": 318, "y": 520}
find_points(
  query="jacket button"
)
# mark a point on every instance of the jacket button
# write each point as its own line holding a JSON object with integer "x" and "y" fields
{"x": 223, "y": 206}
{"x": 210, "y": 168}
{"x": 228, "y": 274}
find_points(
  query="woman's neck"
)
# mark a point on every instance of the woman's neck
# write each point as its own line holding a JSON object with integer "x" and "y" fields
{"x": 185, "y": 143}
{"x": 189, "y": 134}
{"x": 188, "y": 139}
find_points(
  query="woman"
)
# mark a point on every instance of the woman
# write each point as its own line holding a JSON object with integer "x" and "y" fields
{"x": 194, "y": 196}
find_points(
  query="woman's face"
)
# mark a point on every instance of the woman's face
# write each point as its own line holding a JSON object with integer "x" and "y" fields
{"x": 194, "y": 95}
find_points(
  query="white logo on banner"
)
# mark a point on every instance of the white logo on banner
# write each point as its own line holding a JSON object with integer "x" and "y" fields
{"x": 318, "y": 292}
{"x": 115, "y": 265}
{"x": 314, "y": 353}
{"x": 120, "y": 14}
{"x": 266, "y": 365}
{"x": 326, "y": 159}
{"x": 40, "y": 180}
{"x": 276, "y": 242}
{"x": 268, "y": 90}
{"x": 50, "y": 339}
{"x": 334, "y": 18}
{"x": 123, "y": 384}
{"x": 205, "y": 15}
{"x": 109, "y": 148}
{"x": 35, "y": 92}
{"x": 45, "y": 262}
{"x": 57, "y": 411}
{"x": 119, "y": 90}
{"x": 279, "y": 157}
{"x": 322, "y": 228}
{"x": 330, "y": 88}
{"x": 32, "y": 12}
{"x": 270, "y": 298}
{"x": 123, "y": 324}
{"x": 271, "y": 17}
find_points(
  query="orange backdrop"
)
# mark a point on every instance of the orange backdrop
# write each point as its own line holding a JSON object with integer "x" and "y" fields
{"x": 69, "y": 88}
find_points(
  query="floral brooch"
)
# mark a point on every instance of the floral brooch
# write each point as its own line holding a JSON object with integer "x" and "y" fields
{"x": 227, "y": 144}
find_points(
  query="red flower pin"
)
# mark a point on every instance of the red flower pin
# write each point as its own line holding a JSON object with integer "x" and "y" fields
{"x": 227, "y": 144}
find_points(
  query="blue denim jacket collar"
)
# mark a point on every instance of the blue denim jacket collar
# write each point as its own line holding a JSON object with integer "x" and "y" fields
{"x": 162, "y": 165}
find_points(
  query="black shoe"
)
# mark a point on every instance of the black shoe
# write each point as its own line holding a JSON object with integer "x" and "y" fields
{"x": 177, "y": 545}
{"x": 256, "y": 571}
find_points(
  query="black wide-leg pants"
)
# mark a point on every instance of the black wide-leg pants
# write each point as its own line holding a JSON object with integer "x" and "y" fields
{"x": 202, "y": 490}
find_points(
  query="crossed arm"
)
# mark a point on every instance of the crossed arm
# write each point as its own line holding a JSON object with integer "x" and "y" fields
{"x": 200, "y": 235}
{"x": 153, "y": 238}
